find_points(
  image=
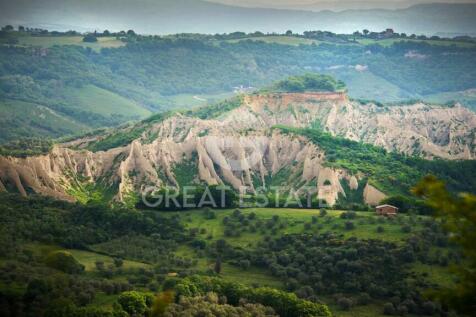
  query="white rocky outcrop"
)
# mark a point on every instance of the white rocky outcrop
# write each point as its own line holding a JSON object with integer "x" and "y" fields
{"x": 372, "y": 195}
{"x": 239, "y": 148}
{"x": 415, "y": 129}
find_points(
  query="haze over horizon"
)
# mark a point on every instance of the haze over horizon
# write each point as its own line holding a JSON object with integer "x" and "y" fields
{"x": 193, "y": 16}
{"x": 333, "y": 5}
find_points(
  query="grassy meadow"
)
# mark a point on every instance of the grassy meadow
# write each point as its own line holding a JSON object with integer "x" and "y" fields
{"x": 25, "y": 119}
{"x": 86, "y": 258}
{"x": 104, "y": 102}
{"x": 49, "y": 41}
{"x": 296, "y": 220}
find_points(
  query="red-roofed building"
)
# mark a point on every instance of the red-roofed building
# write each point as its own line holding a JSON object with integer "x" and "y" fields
{"x": 386, "y": 210}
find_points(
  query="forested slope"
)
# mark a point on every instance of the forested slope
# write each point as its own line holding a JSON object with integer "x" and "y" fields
{"x": 151, "y": 74}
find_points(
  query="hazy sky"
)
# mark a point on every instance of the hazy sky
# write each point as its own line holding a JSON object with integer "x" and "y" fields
{"x": 340, "y": 4}
{"x": 197, "y": 16}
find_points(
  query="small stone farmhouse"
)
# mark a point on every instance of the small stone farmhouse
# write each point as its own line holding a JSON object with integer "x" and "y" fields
{"x": 386, "y": 210}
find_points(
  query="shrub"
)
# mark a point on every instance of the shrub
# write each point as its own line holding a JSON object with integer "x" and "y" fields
{"x": 90, "y": 38}
{"x": 348, "y": 215}
{"x": 217, "y": 267}
{"x": 132, "y": 302}
{"x": 64, "y": 261}
{"x": 429, "y": 308}
{"x": 161, "y": 302}
{"x": 388, "y": 309}
{"x": 198, "y": 244}
{"x": 118, "y": 262}
{"x": 244, "y": 264}
{"x": 209, "y": 214}
{"x": 410, "y": 305}
{"x": 100, "y": 265}
{"x": 170, "y": 283}
{"x": 344, "y": 303}
{"x": 349, "y": 225}
{"x": 364, "y": 299}
{"x": 305, "y": 292}
{"x": 402, "y": 310}
{"x": 236, "y": 213}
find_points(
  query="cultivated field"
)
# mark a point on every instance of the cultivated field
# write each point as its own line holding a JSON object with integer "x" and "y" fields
{"x": 49, "y": 41}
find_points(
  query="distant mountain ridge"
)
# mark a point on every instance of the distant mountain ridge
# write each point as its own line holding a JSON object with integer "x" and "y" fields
{"x": 193, "y": 16}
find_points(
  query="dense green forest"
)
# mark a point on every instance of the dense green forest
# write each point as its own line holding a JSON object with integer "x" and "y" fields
{"x": 54, "y": 283}
{"x": 62, "y": 259}
{"x": 67, "y": 89}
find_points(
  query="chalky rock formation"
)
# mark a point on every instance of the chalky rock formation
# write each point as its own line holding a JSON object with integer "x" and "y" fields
{"x": 239, "y": 148}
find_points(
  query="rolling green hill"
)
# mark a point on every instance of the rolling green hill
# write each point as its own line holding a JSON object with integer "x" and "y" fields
{"x": 26, "y": 119}
{"x": 122, "y": 80}
{"x": 99, "y": 101}
{"x": 71, "y": 111}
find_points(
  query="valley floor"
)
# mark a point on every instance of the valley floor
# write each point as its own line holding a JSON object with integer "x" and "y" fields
{"x": 218, "y": 225}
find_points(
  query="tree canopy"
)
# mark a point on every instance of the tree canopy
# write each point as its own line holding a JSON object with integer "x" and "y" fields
{"x": 458, "y": 216}
{"x": 309, "y": 82}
